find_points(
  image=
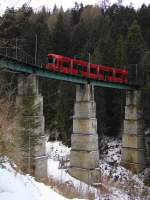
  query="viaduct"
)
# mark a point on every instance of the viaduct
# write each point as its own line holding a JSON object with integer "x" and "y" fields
{"x": 84, "y": 159}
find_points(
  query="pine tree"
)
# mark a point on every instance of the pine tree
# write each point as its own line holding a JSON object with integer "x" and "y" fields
{"x": 78, "y": 38}
{"x": 76, "y": 13}
{"x": 120, "y": 59}
{"x": 60, "y": 37}
{"x": 105, "y": 51}
{"x": 144, "y": 22}
{"x": 60, "y": 124}
{"x": 135, "y": 44}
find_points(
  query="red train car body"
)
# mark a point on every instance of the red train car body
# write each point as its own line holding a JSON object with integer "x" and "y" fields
{"x": 76, "y": 67}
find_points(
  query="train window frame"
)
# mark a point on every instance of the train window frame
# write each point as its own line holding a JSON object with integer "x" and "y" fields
{"x": 79, "y": 68}
{"x": 93, "y": 70}
{"x": 108, "y": 73}
{"x": 66, "y": 64}
{"x": 74, "y": 66}
{"x": 52, "y": 59}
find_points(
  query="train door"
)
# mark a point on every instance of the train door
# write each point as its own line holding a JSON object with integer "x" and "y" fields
{"x": 101, "y": 73}
{"x": 108, "y": 73}
{"x": 118, "y": 76}
{"x": 110, "y": 77}
{"x": 83, "y": 69}
{"x": 77, "y": 68}
{"x": 51, "y": 63}
{"x": 74, "y": 70}
{"x": 93, "y": 71}
{"x": 57, "y": 64}
{"x": 65, "y": 65}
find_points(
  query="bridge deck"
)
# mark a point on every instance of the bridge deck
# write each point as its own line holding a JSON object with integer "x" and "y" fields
{"x": 11, "y": 64}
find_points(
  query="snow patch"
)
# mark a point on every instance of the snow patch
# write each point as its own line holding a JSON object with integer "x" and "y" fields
{"x": 16, "y": 186}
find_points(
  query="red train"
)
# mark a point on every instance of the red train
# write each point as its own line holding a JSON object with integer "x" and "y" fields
{"x": 76, "y": 67}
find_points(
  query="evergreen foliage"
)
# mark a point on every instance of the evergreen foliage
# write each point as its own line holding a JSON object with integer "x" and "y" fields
{"x": 135, "y": 44}
{"x": 29, "y": 117}
{"x": 10, "y": 138}
{"x": 120, "y": 59}
{"x": 113, "y": 35}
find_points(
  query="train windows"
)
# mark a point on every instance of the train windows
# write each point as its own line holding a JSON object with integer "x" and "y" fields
{"x": 66, "y": 64}
{"x": 80, "y": 69}
{"x": 52, "y": 60}
{"x": 74, "y": 66}
{"x": 108, "y": 75}
{"x": 93, "y": 70}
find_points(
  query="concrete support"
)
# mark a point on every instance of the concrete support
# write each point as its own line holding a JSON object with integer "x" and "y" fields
{"x": 31, "y": 122}
{"x": 147, "y": 144}
{"x": 84, "y": 159}
{"x": 133, "y": 145}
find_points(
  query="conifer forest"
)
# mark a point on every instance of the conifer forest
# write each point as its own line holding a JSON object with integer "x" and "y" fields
{"x": 116, "y": 36}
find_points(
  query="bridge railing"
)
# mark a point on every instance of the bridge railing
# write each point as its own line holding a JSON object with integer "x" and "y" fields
{"x": 136, "y": 75}
{"x": 19, "y": 55}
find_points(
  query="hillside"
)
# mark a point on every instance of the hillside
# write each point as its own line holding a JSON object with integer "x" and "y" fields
{"x": 117, "y": 183}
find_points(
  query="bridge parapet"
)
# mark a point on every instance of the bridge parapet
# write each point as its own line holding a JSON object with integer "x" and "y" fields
{"x": 19, "y": 54}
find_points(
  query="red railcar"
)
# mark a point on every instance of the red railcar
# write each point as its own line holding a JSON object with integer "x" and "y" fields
{"x": 76, "y": 67}
{"x": 79, "y": 67}
{"x": 54, "y": 62}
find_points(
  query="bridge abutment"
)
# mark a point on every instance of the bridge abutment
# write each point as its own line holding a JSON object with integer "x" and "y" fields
{"x": 31, "y": 123}
{"x": 84, "y": 142}
{"x": 133, "y": 144}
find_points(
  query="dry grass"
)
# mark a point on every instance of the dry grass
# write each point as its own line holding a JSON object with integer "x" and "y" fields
{"x": 9, "y": 136}
{"x": 105, "y": 188}
{"x": 130, "y": 187}
{"x": 69, "y": 190}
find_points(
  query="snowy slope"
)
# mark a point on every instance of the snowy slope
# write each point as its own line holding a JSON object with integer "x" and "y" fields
{"x": 57, "y": 150}
{"x": 117, "y": 183}
{"x": 16, "y": 186}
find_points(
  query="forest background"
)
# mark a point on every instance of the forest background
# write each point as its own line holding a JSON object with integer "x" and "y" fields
{"x": 117, "y": 36}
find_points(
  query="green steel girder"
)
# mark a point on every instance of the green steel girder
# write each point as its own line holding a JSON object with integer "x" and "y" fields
{"x": 15, "y": 66}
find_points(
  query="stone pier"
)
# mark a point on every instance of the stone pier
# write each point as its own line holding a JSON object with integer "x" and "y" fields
{"x": 84, "y": 159}
{"x": 133, "y": 149}
{"x": 31, "y": 122}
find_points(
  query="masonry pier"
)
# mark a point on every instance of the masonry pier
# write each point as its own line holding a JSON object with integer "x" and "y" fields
{"x": 31, "y": 122}
{"x": 84, "y": 159}
{"x": 133, "y": 149}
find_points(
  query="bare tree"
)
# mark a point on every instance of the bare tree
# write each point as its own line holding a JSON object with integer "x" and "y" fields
{"x": 9, "y": 137}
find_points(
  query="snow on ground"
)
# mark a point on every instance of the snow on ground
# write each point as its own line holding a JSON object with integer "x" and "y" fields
{"x": 118, "y": 181}
{"x": 16, "y": 186}
{"x": 57, "y": 150}
{"x": 110, "y": 150}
